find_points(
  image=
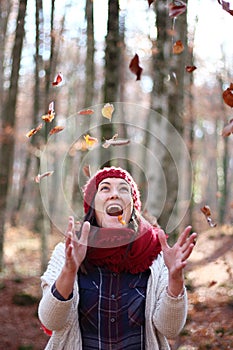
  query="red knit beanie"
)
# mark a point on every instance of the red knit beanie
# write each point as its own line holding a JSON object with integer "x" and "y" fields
{"x": 91, "y": 186}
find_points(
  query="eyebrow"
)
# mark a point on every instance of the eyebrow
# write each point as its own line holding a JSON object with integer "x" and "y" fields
{"x": 108, "y": 183}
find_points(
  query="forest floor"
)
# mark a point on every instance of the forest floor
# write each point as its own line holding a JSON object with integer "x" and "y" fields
{"x": 209, "y": 279}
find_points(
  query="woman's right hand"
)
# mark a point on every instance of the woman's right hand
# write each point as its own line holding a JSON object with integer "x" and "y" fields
{"x": 75, "y": 249}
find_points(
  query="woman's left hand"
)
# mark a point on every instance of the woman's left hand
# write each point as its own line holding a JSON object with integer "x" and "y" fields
{"x": 176, "y": 257}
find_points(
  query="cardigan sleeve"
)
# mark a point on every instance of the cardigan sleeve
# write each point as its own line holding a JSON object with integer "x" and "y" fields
{"x": 170, "y": 313}
{"x": 53, "y": 313}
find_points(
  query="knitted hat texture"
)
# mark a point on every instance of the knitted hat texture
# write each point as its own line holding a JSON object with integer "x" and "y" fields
{"x": 91, "y": 186}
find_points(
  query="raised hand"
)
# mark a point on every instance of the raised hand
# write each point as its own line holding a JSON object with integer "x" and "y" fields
{"x": 176, "y": 257}
{"x": 75, "y": 252}
{"x": 75, "y": 248}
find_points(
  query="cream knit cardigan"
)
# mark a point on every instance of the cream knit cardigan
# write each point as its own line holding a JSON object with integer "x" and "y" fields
{"x": 165, "y": 316}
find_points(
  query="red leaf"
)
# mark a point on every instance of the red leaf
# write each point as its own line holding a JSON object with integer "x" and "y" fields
{"x": 86, "y": 111}
{"x": 190, "y": 69}
{"x": 135, "y": 68}
{"x": 57, "y": 80}
{"x": 150, "y": 2}
{"x": 228, "y": 129}
{"x": 226, "y": 6}
{"x": 178, "y": 47}
{"x": 228, "y": 95}
{"x": 176, "y": 8}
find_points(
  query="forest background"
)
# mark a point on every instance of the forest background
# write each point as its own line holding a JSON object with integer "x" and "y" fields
{"x": 72, "y": 67}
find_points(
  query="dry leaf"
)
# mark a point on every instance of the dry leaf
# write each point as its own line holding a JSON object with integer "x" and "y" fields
{"x": 107, "y": 111}
{"x": 56, "y": 129}
{"x": 50, "y": 115}
{"x": 190, "y": 69}
{"x": 86, "y": 112}
{"x": 90, "y": 141}
{"x": 176, "y": 8}
{"x": 120, "y": 219}
{"x": 178, "y": 47}
{"x": 228, "y": 129}
{"x": 115, "y": 142}
{"x": 34, "y": 131}
{"x": 228, "y": 95}
{"x": 57, "y": 80}
{"x": 87, "y": 170}
{"x": 135, "y": 68}
{"x": 150, "y": 2}
{"x": 39, "y": 177}
{"x": 206, "y": 211}
{"x": 226, "y": 6}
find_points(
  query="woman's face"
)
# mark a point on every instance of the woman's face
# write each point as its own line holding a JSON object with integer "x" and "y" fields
{"x": 113, "y": 198}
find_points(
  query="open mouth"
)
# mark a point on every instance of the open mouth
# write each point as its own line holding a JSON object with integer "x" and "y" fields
{"x": 114, "y": 210}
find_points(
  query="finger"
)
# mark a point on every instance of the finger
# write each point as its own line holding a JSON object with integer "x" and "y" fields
{"x": 183, "y": 236}
{"x": 162, "y": 239}
{"x": 70, "y": 226}
{"x": 191, "y": 240}
{"x": 85, "y": 233}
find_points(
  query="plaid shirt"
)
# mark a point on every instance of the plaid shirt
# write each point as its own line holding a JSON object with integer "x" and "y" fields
{"x": 112, "y": 309}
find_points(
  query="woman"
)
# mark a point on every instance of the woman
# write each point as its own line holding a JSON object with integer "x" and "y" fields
{"x": 118, "y": 285}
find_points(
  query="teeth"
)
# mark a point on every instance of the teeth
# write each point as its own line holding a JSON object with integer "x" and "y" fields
{"x": 114, "y": 210}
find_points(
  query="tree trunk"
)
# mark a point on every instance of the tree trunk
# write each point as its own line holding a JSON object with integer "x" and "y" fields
{"x": 112, "y": 70}
{"x": 8, "y": 123}
{"x": 167, "y": 100}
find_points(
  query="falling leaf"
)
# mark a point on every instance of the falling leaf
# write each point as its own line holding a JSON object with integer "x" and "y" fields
{"x": 150, "y": 2}
{"x": 57, "y": 80}
{"x": 51, "y": 113}
{"x": 107, "y": 111}
{"x": 206, "y": 211}
{"x": 212, "y": 283}
{"x": 120, "y": 219}
{"x": 226, "y": 6}
{"x": 86, "y": 111}
{"x": 115, "y": 142}
{"x": 178, "y": 47}
{"x": 176, "y": 8}
{"x": 228, "y": 129}
{"x": 56, "y": 129}
{"x": 34, "y": 130}
{"x": 90, "y": 141}
{"x": 228, "y": 95}
{"x": 135, "y": 68}
{"x": 190, "y": 69}
{"x": 39, "y": 177}
{"x": 87, "y": 170}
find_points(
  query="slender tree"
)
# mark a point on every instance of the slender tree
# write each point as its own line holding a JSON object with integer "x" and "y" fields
{"x": 8, "y": 122}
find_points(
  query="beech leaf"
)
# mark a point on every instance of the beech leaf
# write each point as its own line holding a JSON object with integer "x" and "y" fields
{"x": 135, "y": 68}
{"x": 178, "y": 47}
{"x": 34, "y": 130}
{"x": 226, "y": 6}
{"x": 228, "y": 129}
{"x": 58, "y": 79}
{"x": 56, "y": 129}
{"x": 176, "y": 8}
{"x": 228, "y": 95}
{"x": 86, "y": 112}
{"x": 190, "y": 69}
{"x": 107, "y": 111}
{"x": 206, "y": 211}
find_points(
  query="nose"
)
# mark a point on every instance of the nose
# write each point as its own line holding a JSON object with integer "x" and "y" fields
{"x": 114, "y": 194}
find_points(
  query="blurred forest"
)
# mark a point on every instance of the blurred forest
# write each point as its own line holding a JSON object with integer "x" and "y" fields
{"x": 159, "y": 69}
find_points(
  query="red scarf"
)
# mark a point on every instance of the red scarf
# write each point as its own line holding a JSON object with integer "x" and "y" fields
{"x": 123, "y": 249}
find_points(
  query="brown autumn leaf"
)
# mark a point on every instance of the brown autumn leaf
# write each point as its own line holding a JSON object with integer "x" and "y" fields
{"x": 206, "y": 211}
{"x": 228, "y": 95}
{"x": 176, "y": 8}
{"x": 178, "y": 47}
{"x": 114, "y": 141}
{"x": 34, "y": 130}
{"x": 190, "y": 69}
{"x": 150, "y": 2}
{"x": 41, "y": 176}
{"x": 50, "y": 115}
{"x": 120, "y": 219}
{"x": 90, "y": 141}
{"x": 228, "y": 129}
{"x": 56, "y": 129}
{"x": 58, "y": 79}
{"x": 135, "y": 68}
{"x": 226, "y": 6}
{"x": 86, "y": 112}
{"x": 107, "y": 111}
